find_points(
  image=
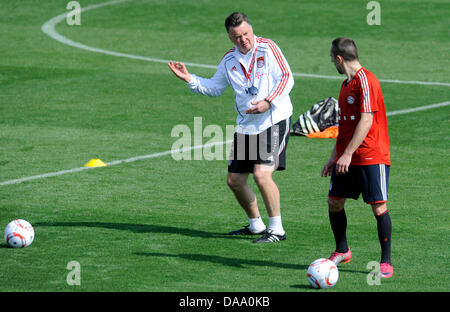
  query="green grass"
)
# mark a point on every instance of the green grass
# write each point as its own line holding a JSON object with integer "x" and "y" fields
{"x": 159, "y": 224}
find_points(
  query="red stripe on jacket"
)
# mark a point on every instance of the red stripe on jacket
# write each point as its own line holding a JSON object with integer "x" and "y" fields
{"x": 281, "y": 64}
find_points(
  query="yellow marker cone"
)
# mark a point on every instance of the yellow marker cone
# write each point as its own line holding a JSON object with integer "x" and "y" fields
{"x": 96, "y": 162}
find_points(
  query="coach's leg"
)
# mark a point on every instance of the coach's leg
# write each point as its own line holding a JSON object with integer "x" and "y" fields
{"x": 384, "y": 227}
{"x": 338, "y": 222}
{"x": 244, "y": 194}
{"x": 270, "y": 194}
{"x": 269, "y": 190}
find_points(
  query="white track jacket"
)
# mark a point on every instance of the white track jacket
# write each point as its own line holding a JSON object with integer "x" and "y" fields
{"x": 270, "y": 74}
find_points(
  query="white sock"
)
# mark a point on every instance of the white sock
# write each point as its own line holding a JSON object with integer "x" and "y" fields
{"x": 275, "y": 225}
{"x": 256, "y": 225}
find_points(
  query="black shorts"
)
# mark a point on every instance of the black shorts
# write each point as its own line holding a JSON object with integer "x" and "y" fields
{"x": 371, "y": 181}
{"x": 267, "y": 147}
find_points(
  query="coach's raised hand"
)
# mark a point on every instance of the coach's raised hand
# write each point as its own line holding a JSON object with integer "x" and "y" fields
{"x": 180, "y": 70}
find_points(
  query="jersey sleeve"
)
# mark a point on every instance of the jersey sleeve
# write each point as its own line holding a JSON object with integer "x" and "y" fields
{"x": 213, "y": 86}
{"x": 368, "y": 93}
{"x": 281, "y": 74}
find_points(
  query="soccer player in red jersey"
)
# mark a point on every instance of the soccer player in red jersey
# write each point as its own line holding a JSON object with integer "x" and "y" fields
{"x": 360, "y": 161}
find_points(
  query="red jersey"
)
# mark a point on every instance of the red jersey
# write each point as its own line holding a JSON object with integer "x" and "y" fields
{"x": 363, "y": 94}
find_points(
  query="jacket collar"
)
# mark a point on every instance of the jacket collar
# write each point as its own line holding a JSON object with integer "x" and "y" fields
{"x": 245, "y": 59}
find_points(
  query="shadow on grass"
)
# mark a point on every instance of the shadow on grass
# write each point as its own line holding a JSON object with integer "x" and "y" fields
{"x": 228, "y": 261}
{"x": 237, "y": 262}
{"x": 143, "y": 228}
{"x": 299, "y": 286}
{"x": 147, "y": 228}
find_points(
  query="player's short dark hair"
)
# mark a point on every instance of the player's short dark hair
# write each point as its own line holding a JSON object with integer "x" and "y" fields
{"x": 344, "y": 47}
{"x": 235, "y": 19}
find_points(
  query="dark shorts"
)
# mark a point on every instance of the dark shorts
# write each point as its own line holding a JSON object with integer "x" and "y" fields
{"x": 267, "y": 148}
{"x": 371, "y": 181}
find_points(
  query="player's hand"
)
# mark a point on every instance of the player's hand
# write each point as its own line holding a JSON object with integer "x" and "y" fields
{"x": 180, "y": 70}
{"x": 343, "y": 163}
{"x": 258, "y": 107}
{"x": 328, "y": 168}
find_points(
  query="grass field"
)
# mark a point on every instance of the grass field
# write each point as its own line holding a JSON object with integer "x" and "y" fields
{"x": 159, "y": 224}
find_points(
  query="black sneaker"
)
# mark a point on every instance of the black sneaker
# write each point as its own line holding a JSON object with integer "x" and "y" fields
{"x": 269, "y": 237}
{"x": 245, "y": 231}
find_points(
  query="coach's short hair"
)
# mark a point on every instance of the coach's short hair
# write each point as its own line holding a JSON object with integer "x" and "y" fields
{"x": 235, "y": 19}
{"x": 344, "y": 47}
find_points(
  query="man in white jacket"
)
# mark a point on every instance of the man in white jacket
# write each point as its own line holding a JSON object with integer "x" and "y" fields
{"x": 261, "y": 78}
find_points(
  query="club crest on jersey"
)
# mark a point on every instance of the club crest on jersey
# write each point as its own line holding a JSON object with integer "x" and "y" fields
{"x": 350, "y": 99}
{"x": 260, "y": 62}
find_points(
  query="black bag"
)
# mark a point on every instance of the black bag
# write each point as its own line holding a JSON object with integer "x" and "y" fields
{"x": 322, "y": 115}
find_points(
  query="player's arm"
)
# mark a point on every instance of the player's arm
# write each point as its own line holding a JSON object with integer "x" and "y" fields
{"x": 361, "y": 131}
{"x": 326, "y": 171}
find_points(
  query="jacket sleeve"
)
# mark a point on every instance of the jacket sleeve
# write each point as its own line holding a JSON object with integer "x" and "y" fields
{"x": 213, "y": 86}
{"x": 281, "y": 75}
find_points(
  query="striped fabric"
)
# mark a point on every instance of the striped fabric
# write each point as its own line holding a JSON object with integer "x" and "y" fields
{"x": 366, "y": 91}
{"x": 276, "y": 52}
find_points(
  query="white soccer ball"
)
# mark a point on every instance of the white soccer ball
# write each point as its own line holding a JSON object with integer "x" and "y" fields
{"x": 323, "y": 273}
{"x": 19, "y": 233}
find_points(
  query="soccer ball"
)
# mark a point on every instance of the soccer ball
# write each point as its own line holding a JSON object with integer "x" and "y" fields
{"x": 19, "y": 233}
{"x": 323, "y": 273}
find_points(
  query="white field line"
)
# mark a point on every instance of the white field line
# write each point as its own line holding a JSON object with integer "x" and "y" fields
{"x": 416, "y": 109}
{"x": 49, "y": 29}
{"x": 170, "y": 152}
{"x": 113, "y": 163}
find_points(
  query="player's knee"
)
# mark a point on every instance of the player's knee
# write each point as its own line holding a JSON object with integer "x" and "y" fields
{"x": 379, "y": 209}
{"x": 335, "y": 205}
